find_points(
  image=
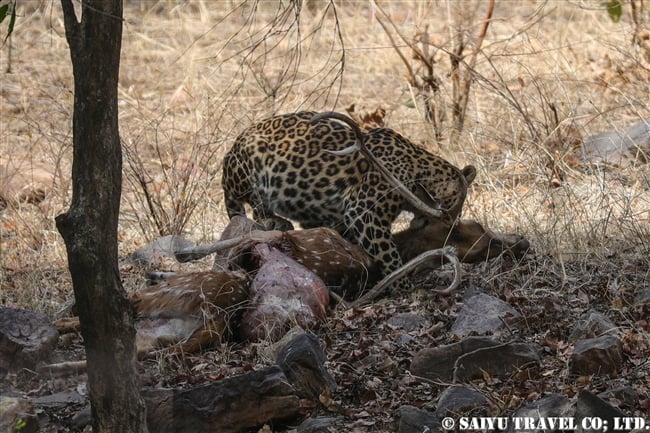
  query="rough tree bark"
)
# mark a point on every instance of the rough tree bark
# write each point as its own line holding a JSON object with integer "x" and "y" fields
{"x": 89, "y": 228}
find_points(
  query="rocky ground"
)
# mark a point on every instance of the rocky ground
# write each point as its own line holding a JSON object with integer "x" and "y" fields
{"x": 517, "y": 335}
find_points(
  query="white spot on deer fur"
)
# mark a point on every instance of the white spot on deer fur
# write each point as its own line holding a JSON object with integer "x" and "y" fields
{"x": 172, "y": 290}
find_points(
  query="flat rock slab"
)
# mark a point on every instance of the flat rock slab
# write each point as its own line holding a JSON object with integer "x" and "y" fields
{"x": 626, "y": 395}
{"x": 623, "y": 147}
{"x": 438, "y": 363}
{"x": 60, "y": 399}
{"x": 408, "y": 322}
{"x": 642, "y": 296}
{"x": 240, "y": 403}
{"x": 321, "y": 425}
{"x": 303, "y": 362}
{"x": 229, "y": 405}
{"x": 500, "y": 361}
{"x": 26, "y": 338}
{"x": 483, "y": 314}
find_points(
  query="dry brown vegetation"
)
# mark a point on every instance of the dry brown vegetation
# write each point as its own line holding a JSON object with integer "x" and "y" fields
{"x": 195, "y": 74}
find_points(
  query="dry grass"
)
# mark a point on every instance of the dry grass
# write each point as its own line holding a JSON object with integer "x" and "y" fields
{"x": 194, "y": 75}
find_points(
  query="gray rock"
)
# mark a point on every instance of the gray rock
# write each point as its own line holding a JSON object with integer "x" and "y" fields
{"x": 499, "y": 361}
{"x": 472, "y": 290}
{"x": 590, "y": 406}
{"x": 407, "y": 321}
{"x": 438, "y": 363}
{"x": 601, "y": 355}
{"x": 457, "y": 400}
{"x": 592, "y": 324}
{"x": 320, "y": 424}
{"x": 624, "y": 147}
{"x": 82, "y": 418}
{"x": 405, "y": 340}
{"x": 302, "y": 361}
{"x": 414, "y": 420}
{"x": 484, "y": 314}
{"x": 625, "y": 394}
{"x": 26, "y": 338}
{"x": 60, "y": 399}
{"x": 549, "y": 406}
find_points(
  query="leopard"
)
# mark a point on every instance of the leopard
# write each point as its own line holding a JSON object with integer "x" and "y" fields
{"x": 294, "y": 167}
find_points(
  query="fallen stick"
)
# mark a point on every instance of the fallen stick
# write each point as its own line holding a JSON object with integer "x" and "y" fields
{"x": 63, "y": 368}
{"x": 67, "y": 325}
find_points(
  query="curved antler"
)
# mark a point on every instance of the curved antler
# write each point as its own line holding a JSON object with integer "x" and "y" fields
{"x": 447, "y": 252}
{"x": 390, "y": 177}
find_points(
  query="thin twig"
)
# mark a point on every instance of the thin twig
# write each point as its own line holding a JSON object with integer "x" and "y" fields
{"x": 461, "y": 91}
{"x": 407, "y": 41}
{"x": 409, "y": 69}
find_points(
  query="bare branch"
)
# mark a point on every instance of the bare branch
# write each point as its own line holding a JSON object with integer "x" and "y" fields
{"x": 71, "y": 25}
{"x": 409, "y": 69}
{"x": 407, "y": 41}
{"x": 464, "y": 94}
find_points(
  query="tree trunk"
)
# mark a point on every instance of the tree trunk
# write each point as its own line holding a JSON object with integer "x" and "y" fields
{"x": 89, "y": 228}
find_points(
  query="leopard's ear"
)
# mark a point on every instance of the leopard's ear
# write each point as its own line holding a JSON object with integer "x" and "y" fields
{"x": 469, "y": 171}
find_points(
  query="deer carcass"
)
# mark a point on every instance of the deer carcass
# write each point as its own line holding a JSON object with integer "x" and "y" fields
{"x": 341, "y": 265}
{"x": 194, "y": 309}
{"x": 345, "y": 266}
{"x": 283, "y": 294}
{"x": 473, "y": 242}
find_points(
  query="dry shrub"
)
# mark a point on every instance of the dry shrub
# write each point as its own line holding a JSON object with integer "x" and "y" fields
{"x": 163, "y": 191}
